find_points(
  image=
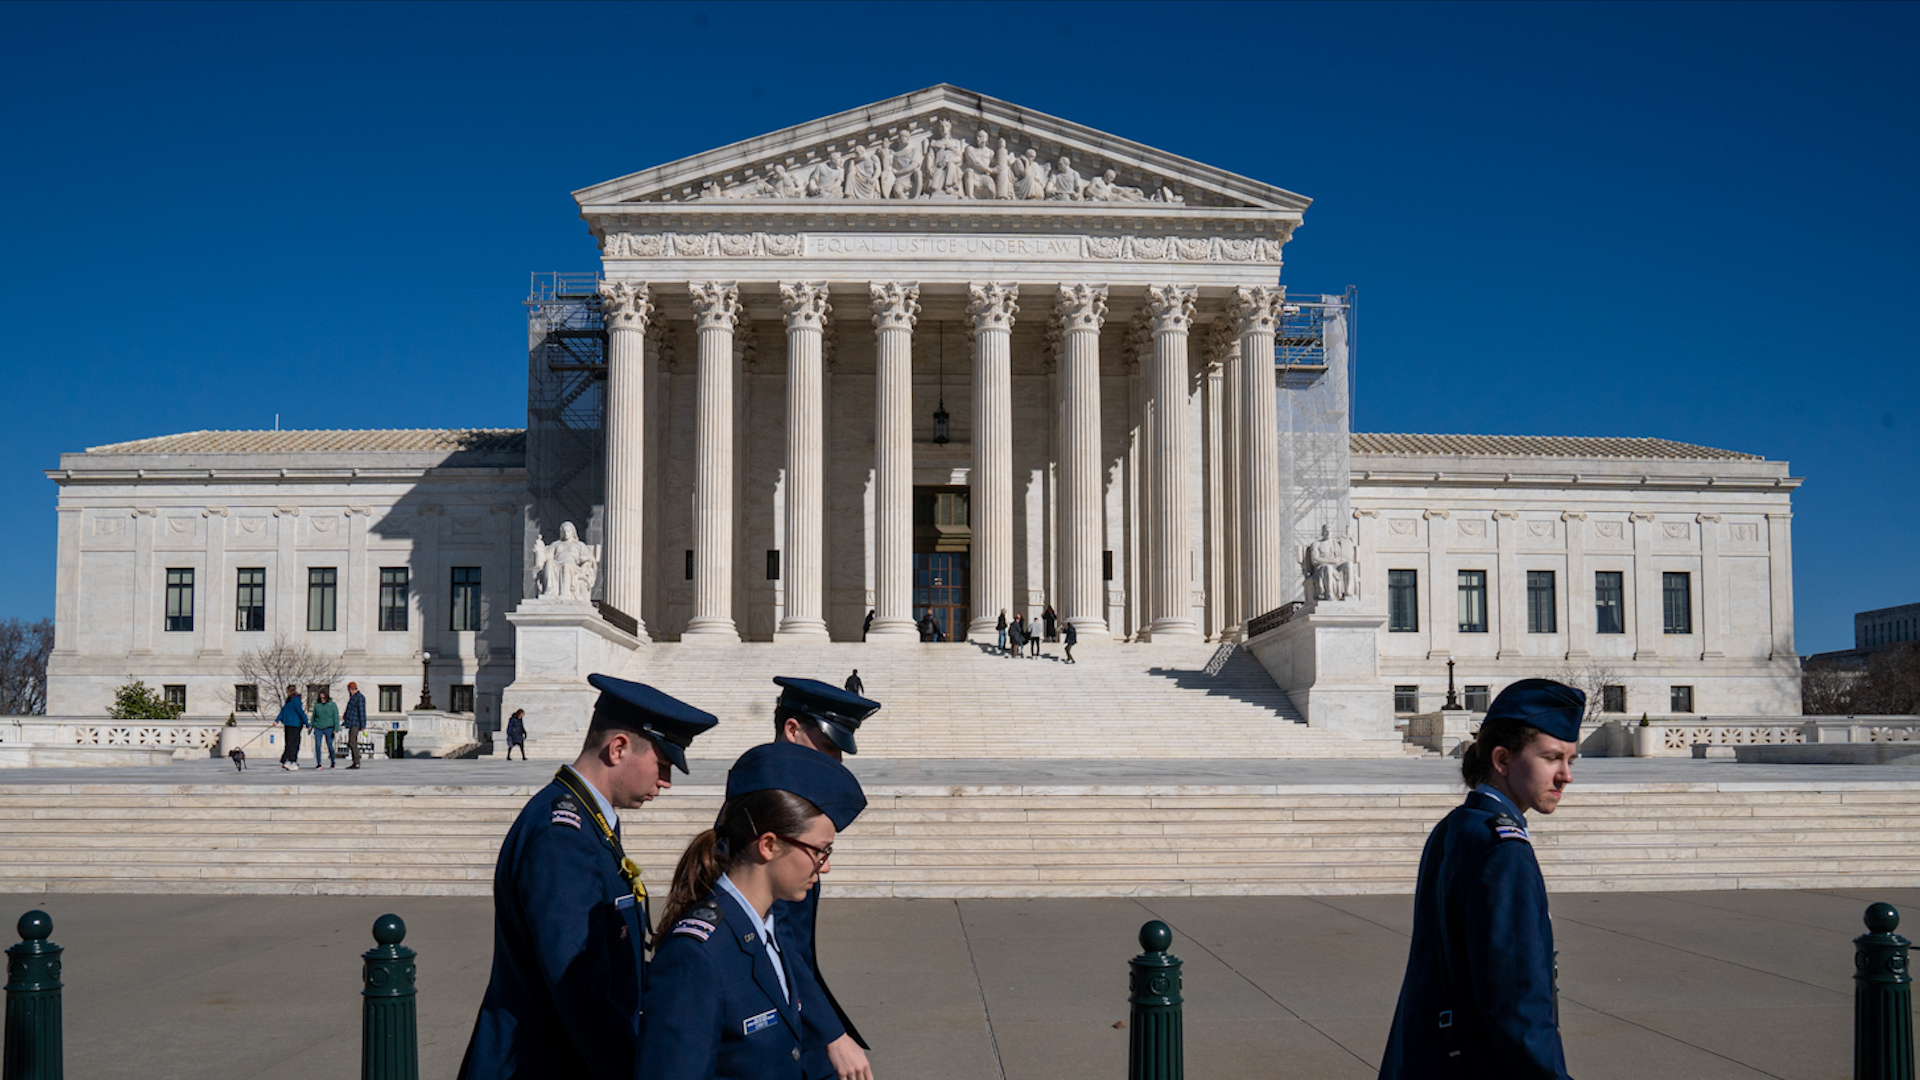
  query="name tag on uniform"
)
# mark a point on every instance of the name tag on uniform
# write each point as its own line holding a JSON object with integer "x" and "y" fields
{"x": 622, "y": 903}
{"x": 760, "y": 1023}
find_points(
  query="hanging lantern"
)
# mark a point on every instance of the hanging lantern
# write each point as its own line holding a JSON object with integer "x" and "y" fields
{"x": 940, "y": 415}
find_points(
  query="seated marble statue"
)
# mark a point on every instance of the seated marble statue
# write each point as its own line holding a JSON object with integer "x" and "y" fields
{"x": 1331, "y": 567}
{"x": 567, "y": 568}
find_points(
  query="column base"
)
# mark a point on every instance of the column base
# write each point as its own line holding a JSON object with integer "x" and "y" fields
{"x": 802, "y": 632}
{"x": 1172, "y": 631}
{"x": 893, "y": 630}
{"x": 710, "y": 630}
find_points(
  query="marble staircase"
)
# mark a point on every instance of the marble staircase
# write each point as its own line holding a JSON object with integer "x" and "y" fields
{"x": 941, "y": 841}
{"x": 960, "y": 701}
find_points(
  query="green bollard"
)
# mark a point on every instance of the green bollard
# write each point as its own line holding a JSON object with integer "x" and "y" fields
{"x": 33, "y": 1050}
{"x": 1156, "y": 1043}
{"x": 1882, "y": 1000}
{"x": 389, "y": 1027}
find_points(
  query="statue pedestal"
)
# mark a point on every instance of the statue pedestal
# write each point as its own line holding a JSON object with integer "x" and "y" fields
{"x": 1327, "y": 659}
{"x": 557, "y": 644}
{"x": 1443, "y": 731}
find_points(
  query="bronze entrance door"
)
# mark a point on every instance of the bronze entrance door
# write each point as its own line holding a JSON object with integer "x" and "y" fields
{"x": 940, "y": 589}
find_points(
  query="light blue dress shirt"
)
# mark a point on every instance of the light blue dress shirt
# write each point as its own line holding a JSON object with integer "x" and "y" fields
{"x": 599, "y": 800}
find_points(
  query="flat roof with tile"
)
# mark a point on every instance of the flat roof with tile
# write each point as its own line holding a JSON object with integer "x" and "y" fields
{"x": 1534, "y": 446}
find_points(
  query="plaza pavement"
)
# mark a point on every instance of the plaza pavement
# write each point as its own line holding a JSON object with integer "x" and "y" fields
{"x": 1694, "y": 985}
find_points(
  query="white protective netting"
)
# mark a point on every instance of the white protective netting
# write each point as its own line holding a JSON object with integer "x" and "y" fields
{"x": 1313, "y": 413}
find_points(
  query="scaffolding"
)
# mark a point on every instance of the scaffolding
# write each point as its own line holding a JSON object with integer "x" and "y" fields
{"x": 566, "y": 402}
{"x": 1313, "y": 363}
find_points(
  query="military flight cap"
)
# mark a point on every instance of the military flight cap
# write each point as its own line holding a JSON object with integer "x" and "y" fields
{"x": 838, "y": 712}
{"x": 639, "y": 708}
{"x": 1554, "y": 708}
{"x": 808, "y": 773}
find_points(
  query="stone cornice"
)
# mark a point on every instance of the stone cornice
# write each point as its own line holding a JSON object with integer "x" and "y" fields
{"x": 69, "y": 477}
{"x": 1455, "y": 479}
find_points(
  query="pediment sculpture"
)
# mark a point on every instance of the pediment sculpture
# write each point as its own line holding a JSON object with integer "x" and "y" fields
{"x": 567, "y": 568}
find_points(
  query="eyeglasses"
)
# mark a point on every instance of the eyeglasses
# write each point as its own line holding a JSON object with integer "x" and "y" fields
{"x": 821, "y": 855}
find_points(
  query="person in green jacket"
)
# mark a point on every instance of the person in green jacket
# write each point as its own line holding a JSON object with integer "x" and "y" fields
{"x": 326, "y": 721}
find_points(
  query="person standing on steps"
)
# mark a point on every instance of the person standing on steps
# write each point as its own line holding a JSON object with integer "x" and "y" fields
{"x": 866, "y": 625}
{"x": 854, "y": 685}
{"x": 1016, "y": 643}
{"x": 815, "y": 715}
{"x": 354, "y": 721}
{"x": 1478, "y": 999}
{"x": 1073, "y": 636}
{"x": 517, "y": 733}
{"x": 570, "y": 922}
{"x": 1052, "y": 619}
{"x": 293, "y": 717}
{"x": 326, "y": 721}
{"x": 1002, "y": 628}
{"x": 1033, "y": 639}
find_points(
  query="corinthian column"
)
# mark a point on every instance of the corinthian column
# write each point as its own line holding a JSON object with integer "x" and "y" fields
{"x": 896, "y": 307}
{"x": 716, "y": 311}
{"x": 1170, "y": 308}
{"x": 1081, "y": 309}
{"x": 1263, "y": 573}
{"x": 805, "y": 307}
{"x": 1228, "y": 350}
{"x": 625, "y": 306}
{"x": 990, "y": 312}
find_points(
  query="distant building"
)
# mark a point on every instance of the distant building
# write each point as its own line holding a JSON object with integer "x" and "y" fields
{"x": 1887, "y": 626}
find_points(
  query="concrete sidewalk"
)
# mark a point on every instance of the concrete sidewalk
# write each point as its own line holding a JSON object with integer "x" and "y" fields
{"x": 1745, "y": 984}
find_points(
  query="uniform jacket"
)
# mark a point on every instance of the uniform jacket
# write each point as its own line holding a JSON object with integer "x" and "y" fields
{"x": 568, "y": 953}
{"x": 1479, "y": 971}
{"x": 716, "y": 1011}
{"x": 355, "y": 718}
{"x": 823, "y": 1018}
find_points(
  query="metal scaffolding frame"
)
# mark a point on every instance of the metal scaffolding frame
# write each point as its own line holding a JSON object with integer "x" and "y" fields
{"x": 566, "y": 404}
{"x": 1313, "y": 360}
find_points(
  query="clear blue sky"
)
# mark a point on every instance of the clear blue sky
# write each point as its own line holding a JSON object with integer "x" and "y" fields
{"x": 1694, "y": 222}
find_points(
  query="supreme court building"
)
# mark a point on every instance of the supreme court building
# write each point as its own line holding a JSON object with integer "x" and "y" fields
{"x": 929, "y": 361}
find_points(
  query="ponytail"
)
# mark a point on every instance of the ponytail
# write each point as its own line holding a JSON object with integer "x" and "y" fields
{"x": 742, "y": 821}
{"x": 1476, "y": 757}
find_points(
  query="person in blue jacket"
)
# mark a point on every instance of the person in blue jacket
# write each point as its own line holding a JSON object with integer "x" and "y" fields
{"x": 727, "y": 996}
{"x": 1478, "y": 1000}
{"x": 569, "y": 911}
{"x": 816, "y": 714}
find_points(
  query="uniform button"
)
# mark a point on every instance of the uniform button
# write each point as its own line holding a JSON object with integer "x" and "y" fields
{"x": 796, "y": 1053}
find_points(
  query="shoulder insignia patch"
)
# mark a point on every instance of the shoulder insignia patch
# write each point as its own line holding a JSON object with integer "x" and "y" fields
{"x": 698, "y": 929}
{"x": 565, "y": 817}
{"x": 1506, "y": 828}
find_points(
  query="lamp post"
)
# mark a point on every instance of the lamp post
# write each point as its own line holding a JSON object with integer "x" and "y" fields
{"x": 426, "y": 689}
{"x": 1453, "y": 699}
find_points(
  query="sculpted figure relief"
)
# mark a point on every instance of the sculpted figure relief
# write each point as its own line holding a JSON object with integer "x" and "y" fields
{"x": 1064, "y": 184}
{"x": 1331, "y": 566}
{"x": 902, "y": 167}
{"x": 1029, "y": 176}
{"x": 863, "y": 176}
{"x": 978, "y": 164}
{"x": 943, "y": 162}
{"x": 567, "y": 569}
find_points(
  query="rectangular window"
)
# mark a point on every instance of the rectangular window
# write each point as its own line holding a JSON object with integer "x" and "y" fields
{"x": 1473, "y": 601}
{"x": 689, "y": 564}
{"x": 1406, "y": 699}
{"x": 389, "y": 699}
{"x": 1613, "y": 699}
{"x": 466, "y": 598}
{"x": 460, "y": 699}
{"x": 1540, "y": 603}
{"x": 1477, "y": 698}
{"x": 1106, "y": 566}
{"x": 1680, "y": 699}
{"x": 1403, "y": 601}
{"x": 1676, "y": 592}
{"x": 393, "y": 598}
{"x": 246, "y": 699}
{"x": 180, "y": 600}
{"x": 176, "y": 696}
{"x": 1608, "y": 614}
{"x": 773, "y": 565}
{"x": 250, "y": 599}
{"x": 322, "y": 590}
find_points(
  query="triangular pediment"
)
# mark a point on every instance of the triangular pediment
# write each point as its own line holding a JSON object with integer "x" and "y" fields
{"x": 939, "y": 145}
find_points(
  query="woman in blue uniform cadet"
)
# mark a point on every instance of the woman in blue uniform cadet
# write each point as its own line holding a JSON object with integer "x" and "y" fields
{"x": 724, "y": 999}
{"x": 1478, "y": 1000}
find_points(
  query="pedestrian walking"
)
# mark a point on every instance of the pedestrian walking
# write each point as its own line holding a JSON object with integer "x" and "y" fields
{"x": 1052, "y": 620}
{"x": 1073, "y": 636}
{"x": 1002, "y": 629}
{"x": 1015, "y": 640}
{"x": 866, "y": 625}
{"x": 325, "y": 721}
{"x": 1478, "y": 998}
{"x": 293, "y": 717}
{"x": 1033, "y": 639}
{"x": 517, "y": 733}
{"x": 354, "y": 721}
{"x": 727, "y": 992}
{"x": 569, "y": 912}
{"x": 854, "y": 685}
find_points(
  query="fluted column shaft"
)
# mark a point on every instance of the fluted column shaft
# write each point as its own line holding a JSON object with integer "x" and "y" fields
{"x": 626, "y": 307}
{"x": 716, "y": 309}
{"x": 1234, "y": 618}
{"x": 1171, "y": 309}
{"x": 1263, "y": 570}
{"x": 990, "y": 311}
{"x": 1082, "y": 310}
{"x": 896, "y": 308}
{"x": 805, "y": 307}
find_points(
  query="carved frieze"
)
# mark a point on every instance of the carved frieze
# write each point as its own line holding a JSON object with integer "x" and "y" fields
{"x": 1126, "y": 248}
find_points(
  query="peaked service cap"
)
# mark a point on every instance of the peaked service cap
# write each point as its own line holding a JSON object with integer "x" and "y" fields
{"x": 838, "y": 712}
{"x": 806, "y": 772}
{"x": 630, "y": 706}
{"x": 1554, "y": 708}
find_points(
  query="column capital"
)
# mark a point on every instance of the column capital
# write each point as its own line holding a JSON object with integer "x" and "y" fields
{"x": 1706, "y": 517}
{"x": 896, "y": 304}
{"x": 1170, "y": 307}
{"x": 625, "y": 305}
{"x": 1259, "y": 307}
{"x": 1222, "y": 340}
{"x": 1573, "y": 515}
{"x": 1431, "y": 514}
{"x": 1506, "y": 515}
{"x": 804, "y": 304}
{"x": 715, "y": 304}
{"x": 1368, "y": 512}
{"x": 992, "y": 305}
{"x": 1081, "y": 307}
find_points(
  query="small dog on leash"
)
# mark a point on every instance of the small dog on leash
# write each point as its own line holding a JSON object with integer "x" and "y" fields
{"x": 239, "y": 757}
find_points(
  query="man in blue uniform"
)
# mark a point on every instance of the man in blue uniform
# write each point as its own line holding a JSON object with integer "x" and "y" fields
{"x": 1478, "y": 1000}
{"x": 569, "y": 912}
{"x": 824, "y": 717}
